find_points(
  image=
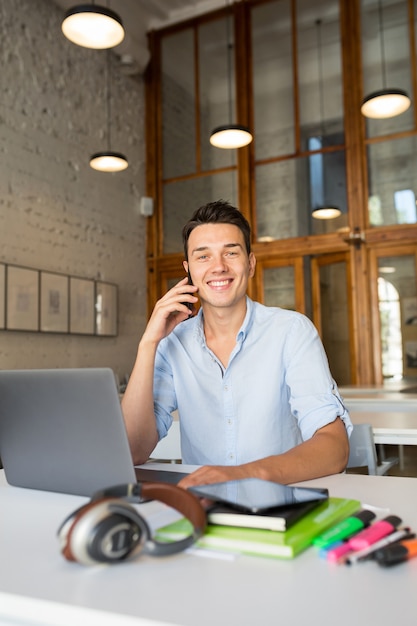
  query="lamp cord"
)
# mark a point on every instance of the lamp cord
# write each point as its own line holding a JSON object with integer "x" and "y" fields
{"x": 108, "y": 100}
{"x": 229, "y": 74}
{"x": 382, "y": 43}
{"x": 229, "y": 66}
{"x": 321, "y": 99}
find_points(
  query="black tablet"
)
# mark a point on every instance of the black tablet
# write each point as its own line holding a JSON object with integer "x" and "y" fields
{"x": 254, "y": 495}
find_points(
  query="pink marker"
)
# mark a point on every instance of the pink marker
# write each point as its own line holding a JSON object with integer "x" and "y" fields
{"x": 374, "y": 533}
{"x": 338, "y": 552}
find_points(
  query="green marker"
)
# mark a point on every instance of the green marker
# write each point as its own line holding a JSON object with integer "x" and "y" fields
{"x": 348, "y": 527}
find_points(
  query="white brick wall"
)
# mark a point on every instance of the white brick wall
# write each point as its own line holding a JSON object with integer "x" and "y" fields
{"x": 56, "y": 213}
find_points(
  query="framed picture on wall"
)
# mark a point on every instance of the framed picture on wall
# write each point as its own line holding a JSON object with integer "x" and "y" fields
{"x": 54, "y": 303}
{"x": 106, "y": 309}
{"x": 2, "y": 295}
{"x": 82, "y": 298}
{"x": 22, "y": 298}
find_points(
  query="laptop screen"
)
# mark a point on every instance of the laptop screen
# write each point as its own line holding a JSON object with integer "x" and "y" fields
{"x": 63, "y": 430}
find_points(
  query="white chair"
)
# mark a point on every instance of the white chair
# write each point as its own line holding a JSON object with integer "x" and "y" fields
{"x": 363, "y": 451}
{"x": 169, "y": 448}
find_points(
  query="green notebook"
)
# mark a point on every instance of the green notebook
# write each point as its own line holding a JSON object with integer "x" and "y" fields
{"x": 269, "y": 543}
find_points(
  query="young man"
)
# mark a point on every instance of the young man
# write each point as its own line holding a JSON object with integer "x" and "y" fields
{"x": 251, "y": 383}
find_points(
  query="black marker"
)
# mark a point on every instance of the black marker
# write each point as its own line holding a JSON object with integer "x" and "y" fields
{"x": 397, "y": 553}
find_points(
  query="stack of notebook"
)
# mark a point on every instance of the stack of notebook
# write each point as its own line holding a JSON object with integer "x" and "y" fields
{"x": 269, "y": 543}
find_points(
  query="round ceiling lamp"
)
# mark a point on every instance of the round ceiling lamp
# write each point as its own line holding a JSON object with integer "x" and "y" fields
{"x": 322, "y": 211}
{"x": 326, "y": 212}
{"x": 93, "y": 26}
{"x": 108, "y": 161}
{"x": 230, "y": 136}
{"x": 385, "y": 103}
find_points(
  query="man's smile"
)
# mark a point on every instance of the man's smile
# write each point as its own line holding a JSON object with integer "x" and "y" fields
{"x": 219, "y": 283}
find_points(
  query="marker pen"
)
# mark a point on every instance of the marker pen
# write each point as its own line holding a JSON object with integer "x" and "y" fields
{"x": 344, "y": 529}
{"x": 374, "y": 533}
{"x": 398, "y": 553}
{"x": 336, "y": 554}
{"x": 323, "y": 552}
{"x": 369, "y": 552}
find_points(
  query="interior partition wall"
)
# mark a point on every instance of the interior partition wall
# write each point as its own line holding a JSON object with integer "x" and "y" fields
{"x": 295, "y": 72}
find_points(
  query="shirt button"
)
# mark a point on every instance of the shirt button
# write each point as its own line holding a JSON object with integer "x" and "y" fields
{"x": 226, "y": 388}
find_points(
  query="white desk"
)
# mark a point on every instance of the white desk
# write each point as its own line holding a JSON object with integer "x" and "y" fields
{"x": 39, "y": 586}
{"x": 382, "y": 403}
{"x": 389, "y": 427}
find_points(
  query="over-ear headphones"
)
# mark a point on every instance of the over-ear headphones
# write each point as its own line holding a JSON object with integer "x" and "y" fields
{"x": 108, "y": 530}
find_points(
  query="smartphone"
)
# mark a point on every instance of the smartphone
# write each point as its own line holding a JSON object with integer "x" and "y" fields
{"x": 254, "y": 495}
{"x": 189, "y": 305}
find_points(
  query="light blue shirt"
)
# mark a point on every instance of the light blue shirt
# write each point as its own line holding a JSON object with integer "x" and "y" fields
{"x": 275, "y": 392}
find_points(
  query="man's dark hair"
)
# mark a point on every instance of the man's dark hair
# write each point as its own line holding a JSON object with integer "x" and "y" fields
{"x": 218, "y": 212}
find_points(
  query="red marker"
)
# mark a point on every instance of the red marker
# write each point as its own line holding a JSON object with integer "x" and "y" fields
{"x": 397, "y": 553}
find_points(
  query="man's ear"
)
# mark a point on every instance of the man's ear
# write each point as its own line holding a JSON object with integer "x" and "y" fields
{"x": 252, "y": 264}
{"x": 185, "y": 266}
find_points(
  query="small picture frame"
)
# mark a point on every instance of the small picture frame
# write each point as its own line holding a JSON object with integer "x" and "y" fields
{"x": 82, "y": 310}
{"x": 2, "y": 296}
{"x": 54, "y": 314}
{"x": 22, "y": 298}
{"x": 106, "y": 309}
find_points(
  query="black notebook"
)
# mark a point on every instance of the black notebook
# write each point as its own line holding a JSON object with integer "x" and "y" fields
{"x": 280, "y": 519}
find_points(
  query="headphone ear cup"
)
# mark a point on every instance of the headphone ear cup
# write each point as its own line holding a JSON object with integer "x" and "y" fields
{"x": 104, "y": 531}
{"x": 65, "y": 529}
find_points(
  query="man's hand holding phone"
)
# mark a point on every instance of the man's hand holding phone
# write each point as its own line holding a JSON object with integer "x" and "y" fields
{"x": 173, "y": 308}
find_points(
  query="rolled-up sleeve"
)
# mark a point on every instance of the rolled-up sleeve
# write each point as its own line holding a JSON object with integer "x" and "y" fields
{"x": 314, "y": 398}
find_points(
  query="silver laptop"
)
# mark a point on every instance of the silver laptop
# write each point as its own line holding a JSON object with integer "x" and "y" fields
{"x": 63, "y": 430}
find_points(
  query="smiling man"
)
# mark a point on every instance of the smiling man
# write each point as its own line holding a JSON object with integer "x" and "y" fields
{"x": 251, "y": 383}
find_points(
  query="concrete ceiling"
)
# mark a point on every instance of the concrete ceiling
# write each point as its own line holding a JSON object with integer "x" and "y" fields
{"x": 141, "y": 16}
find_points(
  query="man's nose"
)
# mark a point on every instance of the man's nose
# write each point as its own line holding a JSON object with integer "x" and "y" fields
{"x": 219, "y": 264}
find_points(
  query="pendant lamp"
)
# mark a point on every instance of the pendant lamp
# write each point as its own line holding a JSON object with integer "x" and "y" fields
{"x": 326, "y": 212}
{"x": 108, "y": 160}
{"x": 385, "y": 102}
{"x": 93, "y": 26}
{"x": 230, "y": 135}
{"x": 322, "y": 212}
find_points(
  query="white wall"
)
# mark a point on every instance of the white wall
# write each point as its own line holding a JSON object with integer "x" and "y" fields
{"x": 56, "y": 213}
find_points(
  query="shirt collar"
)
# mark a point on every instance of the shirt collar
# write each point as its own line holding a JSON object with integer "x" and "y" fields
{"x": 247, "y": 322}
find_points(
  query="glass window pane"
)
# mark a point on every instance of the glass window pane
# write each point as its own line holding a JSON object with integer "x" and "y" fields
{"x": 178, "y": 104}
{"x": 397, "y": 297}
{"x": 287, "y": 191}
{"x": 273, "y": 79}
{"x": 182, "y": 198}
{"x": 279, "y": 287}
{"x": 335, "y": 320}
{"x": 392, "y": 170}
{"x": 386, "y": 58}
{"x": 319, "y": 71}
{"x": 217, "y": 88}
{"x": 276, "y": 201}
